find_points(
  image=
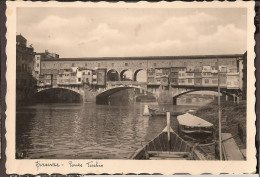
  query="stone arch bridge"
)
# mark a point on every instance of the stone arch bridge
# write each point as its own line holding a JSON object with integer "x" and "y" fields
{"x": 162, "y": 95}
{"x": 116, "y": 68}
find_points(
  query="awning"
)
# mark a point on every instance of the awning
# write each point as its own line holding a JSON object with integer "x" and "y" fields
{"x": 193, "y": 121}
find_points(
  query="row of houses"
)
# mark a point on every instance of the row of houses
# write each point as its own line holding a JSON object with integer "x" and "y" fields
{"x": 30, "y": 73}
{"x": 176, "y": 76}
{"x": 74, "y": 76}
{"x": 205, "y": 76}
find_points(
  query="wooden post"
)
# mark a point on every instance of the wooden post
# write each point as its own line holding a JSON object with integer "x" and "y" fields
{"x": 219, "y": 117}
{"x": 168, "y": 129}
{"x": 168, "y": 125}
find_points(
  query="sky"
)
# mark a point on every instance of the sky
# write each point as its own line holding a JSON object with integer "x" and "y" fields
{"x": 121, "y": 32}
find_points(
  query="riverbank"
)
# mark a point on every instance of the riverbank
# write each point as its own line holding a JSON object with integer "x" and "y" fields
{"x": 233, "y": 119}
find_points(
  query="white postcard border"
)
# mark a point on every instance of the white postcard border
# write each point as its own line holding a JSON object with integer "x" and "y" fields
{"x": 28, "y": 166}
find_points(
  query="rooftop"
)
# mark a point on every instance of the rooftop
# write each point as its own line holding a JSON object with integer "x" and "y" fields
{"x": 145, "y": 58}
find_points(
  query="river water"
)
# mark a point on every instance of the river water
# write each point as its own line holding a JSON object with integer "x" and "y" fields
{"x": 86, "y": 131}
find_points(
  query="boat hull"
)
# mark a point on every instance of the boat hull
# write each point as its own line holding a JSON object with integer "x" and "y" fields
{"x": 196, "y": 133}
{"x": 161, "y": 144}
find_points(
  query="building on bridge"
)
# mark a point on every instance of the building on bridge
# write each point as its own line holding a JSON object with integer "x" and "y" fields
{"x": 162, "y": 73}
{"x": 42, "y": 79}
{"x": 186, "y": 70}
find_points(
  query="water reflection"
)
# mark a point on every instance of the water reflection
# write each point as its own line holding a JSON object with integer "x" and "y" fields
{"x": 85, "y": 131}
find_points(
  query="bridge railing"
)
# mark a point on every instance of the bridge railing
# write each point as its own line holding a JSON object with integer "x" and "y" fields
{"x": 125, "y": 83}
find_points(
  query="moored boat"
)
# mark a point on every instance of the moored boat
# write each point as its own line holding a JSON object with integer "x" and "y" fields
{"x": 168, "y": 146}
{"x": 194, "y": 127}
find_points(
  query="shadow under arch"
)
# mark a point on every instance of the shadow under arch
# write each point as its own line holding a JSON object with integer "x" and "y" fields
{"x": 196, "y": 90}
{"x": 146, "y": 98}
{"x": 103, "y": 98}
{"x": 112, "y": 75}
{"x": 57, "y": 95}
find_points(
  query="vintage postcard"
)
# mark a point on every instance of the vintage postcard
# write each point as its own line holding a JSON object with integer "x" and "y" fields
{"x": 130, "y": 88}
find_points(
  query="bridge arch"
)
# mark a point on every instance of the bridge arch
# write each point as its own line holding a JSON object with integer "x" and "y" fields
{"x": 103, "y": 97}
{"x": 112, "y": 75}
{"x": 223, "y": 92}
{"x": 126, "y": 75}
{"x": 140, "y": 75}
{"x": 59, "y": 94}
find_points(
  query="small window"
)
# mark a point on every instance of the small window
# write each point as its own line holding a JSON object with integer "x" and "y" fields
{"x": 154, "y": 64}
{"x": 206, "y": 81}
{"x": 126, "y": 64}
{"x": 72, "y": 64}
{"x": 98, "y": 64}
{"x": 86, "y": 64}
{"x": 184, "y": 63}
{"x": 79, "y": 79}
{"x": 38, "y": 64}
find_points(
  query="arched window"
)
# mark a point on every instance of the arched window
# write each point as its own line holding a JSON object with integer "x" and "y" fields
{"x": 112, "y": 75}
{"x": 140, "y": 75}
{"x": 126, "y": 75}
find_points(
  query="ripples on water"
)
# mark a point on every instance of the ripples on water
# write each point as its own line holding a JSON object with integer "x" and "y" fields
{"x": 86, "y": 131}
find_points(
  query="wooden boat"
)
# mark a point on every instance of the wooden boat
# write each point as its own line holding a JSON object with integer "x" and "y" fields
{"x": 157, "y": 112}
{"x": 174, "y": 149}
{"x": 194, "y": 126}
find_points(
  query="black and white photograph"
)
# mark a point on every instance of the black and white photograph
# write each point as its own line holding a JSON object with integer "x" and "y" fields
{"x": 132, "y": 83}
